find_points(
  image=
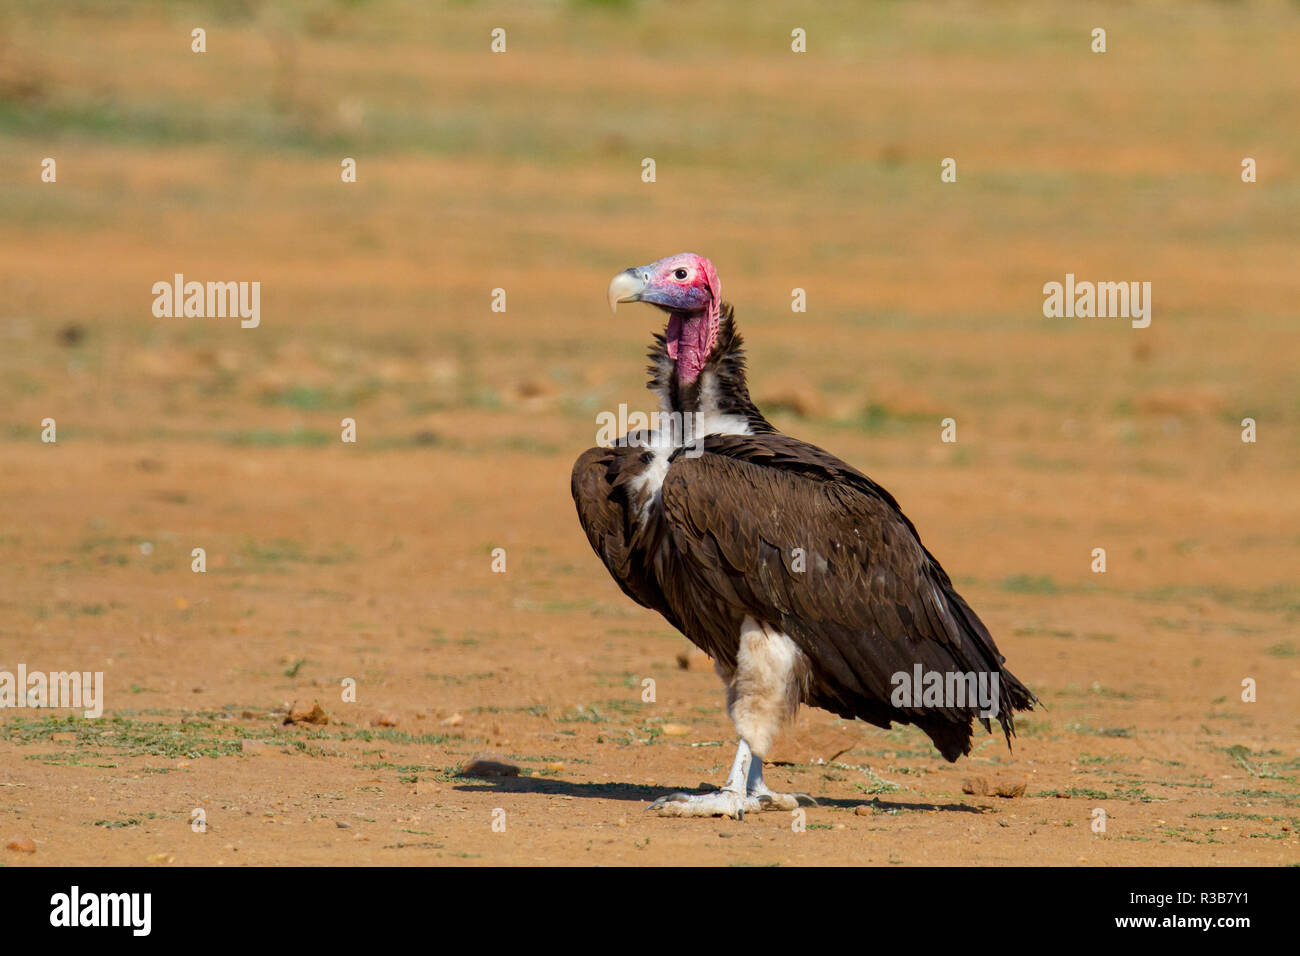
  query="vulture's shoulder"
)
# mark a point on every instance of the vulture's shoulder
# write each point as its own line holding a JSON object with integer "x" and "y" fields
{"x": 747, "y": 489}
{"x": 781, "y": 452}
{"x": 796, "y": 468}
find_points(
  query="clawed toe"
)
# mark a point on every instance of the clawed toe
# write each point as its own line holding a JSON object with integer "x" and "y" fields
{"x": 726, "y": 803}
{"x": 678, "y": 797}
{"x": 784, "y": 801}
{"x": 719, "y": 803}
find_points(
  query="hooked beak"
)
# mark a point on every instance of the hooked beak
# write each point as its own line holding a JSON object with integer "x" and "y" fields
{"x": 627, "y": 286}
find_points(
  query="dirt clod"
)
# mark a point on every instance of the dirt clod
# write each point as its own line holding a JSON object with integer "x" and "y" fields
{"x": 487, "y": 765}
{"x": 983, "y": 787}
{"x": 314, "y": 714}
{"x": 21, "y": 844}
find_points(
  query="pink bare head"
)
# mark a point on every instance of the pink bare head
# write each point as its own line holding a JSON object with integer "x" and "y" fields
{"x": 685, "y": 286}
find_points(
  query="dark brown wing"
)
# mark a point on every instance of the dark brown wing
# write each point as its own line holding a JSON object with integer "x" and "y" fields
{"x": 600, "y": 485}
{"x": 768, "y": 526}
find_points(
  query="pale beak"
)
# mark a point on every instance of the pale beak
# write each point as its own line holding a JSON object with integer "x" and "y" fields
{"x": 627, "y": 286}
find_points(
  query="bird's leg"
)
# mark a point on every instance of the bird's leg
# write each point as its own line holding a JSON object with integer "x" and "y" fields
{"x": 739, "y": 768}
{"x": 762, "y": 694}
{"x": 731, "y": 801}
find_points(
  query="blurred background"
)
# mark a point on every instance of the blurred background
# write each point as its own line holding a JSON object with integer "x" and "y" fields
{"x": 522, "y": 171}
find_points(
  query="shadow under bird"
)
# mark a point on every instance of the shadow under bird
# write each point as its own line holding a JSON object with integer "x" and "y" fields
{"x": 796, "y": 573}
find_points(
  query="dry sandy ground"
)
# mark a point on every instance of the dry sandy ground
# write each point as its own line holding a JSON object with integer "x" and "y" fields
{"x": 373, "y": 562}
{"x": 326, "y": 564}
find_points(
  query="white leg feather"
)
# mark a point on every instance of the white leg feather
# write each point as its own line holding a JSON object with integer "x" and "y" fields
{"x": 762, "y": 693}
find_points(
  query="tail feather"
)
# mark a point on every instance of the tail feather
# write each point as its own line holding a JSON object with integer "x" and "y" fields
{"x": 951, "y": 731}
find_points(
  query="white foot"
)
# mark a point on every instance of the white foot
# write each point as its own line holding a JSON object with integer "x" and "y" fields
{"x": 731, "y": 801}
{"x": 719, "y": 803}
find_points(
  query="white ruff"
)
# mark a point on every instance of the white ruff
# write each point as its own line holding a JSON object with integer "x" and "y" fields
{"x": 708, "y": 420}
{"x": 682, "y": 431}
{"x": 646, "y": 486}
{"x": 711, "y": 423}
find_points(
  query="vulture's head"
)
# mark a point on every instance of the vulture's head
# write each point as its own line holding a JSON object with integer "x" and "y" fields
{"x": 686, "y": 287}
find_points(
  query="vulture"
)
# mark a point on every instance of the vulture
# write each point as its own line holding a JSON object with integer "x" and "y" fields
{"x": 797, "y": 574}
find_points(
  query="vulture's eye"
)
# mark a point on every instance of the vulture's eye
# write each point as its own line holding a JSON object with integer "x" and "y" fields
{"x": 681, "y": 273}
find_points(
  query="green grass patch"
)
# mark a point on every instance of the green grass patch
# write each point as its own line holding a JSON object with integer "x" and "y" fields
{"x": 1030, "y": 584}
